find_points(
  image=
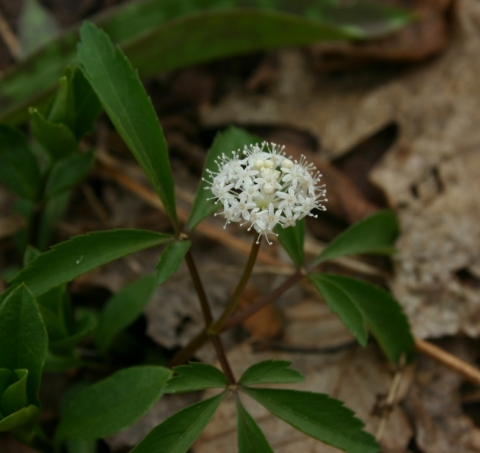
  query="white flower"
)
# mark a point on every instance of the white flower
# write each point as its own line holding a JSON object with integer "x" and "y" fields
{"x": 262, "y": 187}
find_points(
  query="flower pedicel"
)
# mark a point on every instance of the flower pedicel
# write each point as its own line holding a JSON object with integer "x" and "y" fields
{"x": 261, "y": 187}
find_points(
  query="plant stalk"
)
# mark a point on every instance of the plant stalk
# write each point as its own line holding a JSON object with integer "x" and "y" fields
{"x": 216, "y": 327}
{"x": 263, "y": 301}
{"x": 207, "y": 315}
{"x": 196, "y": 343}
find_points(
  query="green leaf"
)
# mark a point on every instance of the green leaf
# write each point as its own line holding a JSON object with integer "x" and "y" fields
{"x": 250, "y": 437}
{"x": 69, "y": 172}
{"x": 53, "y": 211}
{"x": 195, "y": 376}
{"x": 6, "y": 378}
{"x": 30, "y": 254}
{"x": 123, "y": 309}
{"x": 19, "y": 418}
{"x": 81, "y": 446}
{"x": 147, "y": 29}
{"x": 292, "y": 240}
{"x": 70, "y": 259}
{"x": 15, "y": 397}
{"x": 6, "y": 293}
{"x": 318, "y": 416}
{"x": 23, "y": 338}
{"x": 112, "y": 404}
{"x": 194, "y": 37}
{"x": 87, "y": 105}
{"x": 62, "y": 109}
{"x": 382, "y": 313}
{"x": 343, "y": 305}
{"x": 178, "y": 432}
{"x": 171, "y": 259}
{"x": 60, "y": 363}
{"x": 86, "y": 323}
{"x": 123, "y": 97}
{"x": 56, "y": 310}
{"x": 227, "y": 141}
{"x": 271, "y": 372}
{"x": 18, "y": 167}
{"x": 57, "y": 139}
{"x": 375, "y": 234}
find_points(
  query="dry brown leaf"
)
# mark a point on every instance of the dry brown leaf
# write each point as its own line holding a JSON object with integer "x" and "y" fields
{"x": 430, "y": 176}
{"x": 266, "y": 324}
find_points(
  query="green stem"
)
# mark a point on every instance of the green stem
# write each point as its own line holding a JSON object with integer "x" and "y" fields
{"x": 189, "y": 350}
{"x": 196, "y": 343}
{"x": 263, "y": 302}
{"x": 216, "y": 328}
{"x": 207, "y": 314}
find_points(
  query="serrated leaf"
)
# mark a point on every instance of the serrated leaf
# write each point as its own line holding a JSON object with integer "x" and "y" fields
{"x": 319, "y": 416}
{"x": 271, "y": 372}
{"x": 19, "y": 418}
{"x": 292, "y": 240}
{"x": 178, "y": 432}
{"x": 123, "y": 309}
{"x": 375, "y": 234}
{"x": 123, "y": 97}
{"x": 341, "y": 304}
{"x": 57, "y": 139}
{"x": 227, "y": 141}
{"x": 250, "y": 437}
{"x": 23, "y": 338}
{"x": 195, "y": 376}
{"x": 112, "y": 404}
{"x": 170, "y": 260}
{"x": 382, "y": 313}
{"x": 70, "y": 259}
{"x": 69, "y": 172}
{"x": 19, "y": 169}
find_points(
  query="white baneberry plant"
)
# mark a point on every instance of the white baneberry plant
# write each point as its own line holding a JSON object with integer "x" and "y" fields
{"x": 262, "y": 187}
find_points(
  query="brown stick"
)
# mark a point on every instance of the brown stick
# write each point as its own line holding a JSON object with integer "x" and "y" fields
{"x": 9, "y": 38}
{"x": 469, "y": 372}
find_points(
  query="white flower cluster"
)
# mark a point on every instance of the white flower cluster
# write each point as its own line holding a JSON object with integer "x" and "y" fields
{"x": 261, "y": 187}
